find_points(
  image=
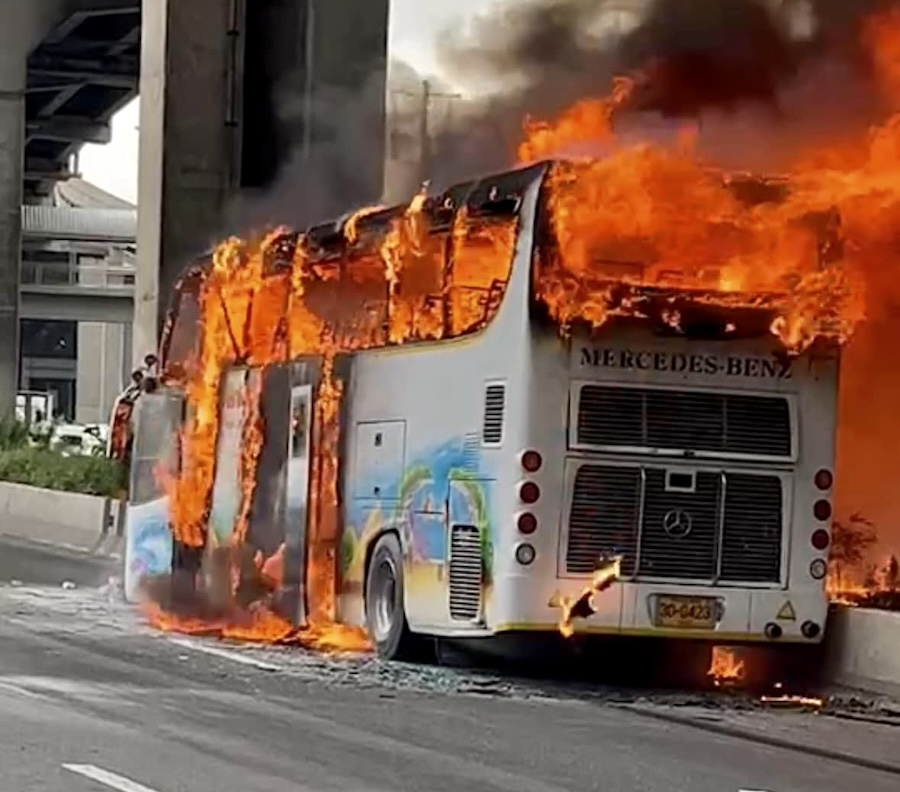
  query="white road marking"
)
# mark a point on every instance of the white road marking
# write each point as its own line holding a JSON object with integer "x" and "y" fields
{"x": 12, "y": 688}
{"x": 21, "y": 691}
{"x": 236, "y": 657}
{"x": 107, "y": 778}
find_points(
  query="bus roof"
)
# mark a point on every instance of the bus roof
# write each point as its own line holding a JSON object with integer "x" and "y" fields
{"x": 500, "y": 195}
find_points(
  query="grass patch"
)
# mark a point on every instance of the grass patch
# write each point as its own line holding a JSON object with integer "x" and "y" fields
{"x": 40, "y": 467}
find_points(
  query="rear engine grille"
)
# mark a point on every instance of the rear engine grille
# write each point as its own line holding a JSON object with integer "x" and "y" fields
{"x": 465, "y": 573}
{"x": 729, "y": 528}
{"x": 713, "y": 422}
{"x": 751, "y": 541}
{"x": 679, "y": 529}
{"x": 604, "y": 517}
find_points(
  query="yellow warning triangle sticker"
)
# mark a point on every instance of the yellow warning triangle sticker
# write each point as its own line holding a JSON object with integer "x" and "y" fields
{"x": 787, "y": 612}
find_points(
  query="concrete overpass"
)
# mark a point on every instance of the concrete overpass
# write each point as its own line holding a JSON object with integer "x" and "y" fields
{"x": 251, "y": 112}
{"x": 76, "y": 298}
{"x": 66, "y": 66}
{"x": 238, "y": 97}
{"x": 78, "y": 264}
{"x": 88, "y": 304}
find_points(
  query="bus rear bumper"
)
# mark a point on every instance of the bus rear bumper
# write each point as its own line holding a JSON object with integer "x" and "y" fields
{"x": 711, "y": 636}
{"x": 715, "y": 614}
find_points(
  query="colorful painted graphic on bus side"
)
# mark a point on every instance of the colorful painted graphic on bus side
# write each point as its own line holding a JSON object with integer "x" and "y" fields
{"x": 443, "y": 486}
{"x": 148, "y": 544}
{"x": 148, "y": 536}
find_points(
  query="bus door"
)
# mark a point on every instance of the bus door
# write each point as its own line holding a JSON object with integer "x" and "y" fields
{"x": 235, "y": 410}
{"x": 294, "y": 528}
{"x": 227, "y": 491}
{"x": 155, "y": 460}
{"x": 297, "y": 478}
{"x": 262, "y": 554}
{"x": 280, "y": 514}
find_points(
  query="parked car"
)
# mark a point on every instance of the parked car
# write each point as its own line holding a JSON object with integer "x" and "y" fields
{"x": 75, "y": 439}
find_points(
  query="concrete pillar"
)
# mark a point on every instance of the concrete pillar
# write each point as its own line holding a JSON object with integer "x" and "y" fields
{"x": 312, "y": 133}
{"x": 12, "y": 125}
{"x": 227, "y": 91}
{"x": 101, "y": 372}
{"x": 350, "y": 62}
{"x": 20, "y": 30}
{"x": 185, "y": 162}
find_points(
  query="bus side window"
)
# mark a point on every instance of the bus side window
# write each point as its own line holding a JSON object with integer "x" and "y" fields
{"x": 479, "y": 273}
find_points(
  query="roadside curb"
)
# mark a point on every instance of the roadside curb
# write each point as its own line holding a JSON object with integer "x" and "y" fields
{"x": 863, "y": 650}
{"x": 61, "y": 547}
{"x": 87, "y": 524}
{"x": 762, "y": 739}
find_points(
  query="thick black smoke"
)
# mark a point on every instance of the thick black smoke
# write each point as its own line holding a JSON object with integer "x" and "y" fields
{"x": 337, "y": 167}
{"x": 763, "y": 76}
{"x": 313, "y": 102}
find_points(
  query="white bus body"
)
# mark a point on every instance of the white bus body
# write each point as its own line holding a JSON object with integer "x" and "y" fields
{"x": 434, "y": 435}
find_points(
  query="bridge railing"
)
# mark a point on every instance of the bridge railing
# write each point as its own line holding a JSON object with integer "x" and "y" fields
{"x": 67, "y": 276}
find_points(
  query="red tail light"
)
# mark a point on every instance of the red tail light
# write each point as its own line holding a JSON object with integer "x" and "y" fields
{"x": 822, "y": 510}
{"x": 820, "y": 539}
{"x": 529, "y": 492}
{"x": 531, "y": 461}
{"x": 527, "y": 523}
{"x": 824, "y": 479}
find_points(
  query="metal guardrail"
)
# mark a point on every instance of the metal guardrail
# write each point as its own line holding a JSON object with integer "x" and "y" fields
{"x": 70, "y": 276}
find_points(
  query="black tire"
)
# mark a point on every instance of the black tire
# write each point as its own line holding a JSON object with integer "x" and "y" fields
{"x": 385, "y": 612}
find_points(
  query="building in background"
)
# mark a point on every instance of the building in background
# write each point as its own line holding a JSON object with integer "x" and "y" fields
{"x": 77, "y": 284}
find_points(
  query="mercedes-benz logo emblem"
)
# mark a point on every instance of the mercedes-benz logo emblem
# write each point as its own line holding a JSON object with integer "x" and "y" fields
{"x": 677, "y": 523}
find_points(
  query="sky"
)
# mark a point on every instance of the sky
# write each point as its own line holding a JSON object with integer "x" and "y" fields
{"x": 415, "y": 25}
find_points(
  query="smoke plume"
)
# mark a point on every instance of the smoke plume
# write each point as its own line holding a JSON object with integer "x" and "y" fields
{"x": 336, "y": 168}
{"x": 764, "y": 81}
{"x": 312, "y": 100}
{"x": 760, "y": 75}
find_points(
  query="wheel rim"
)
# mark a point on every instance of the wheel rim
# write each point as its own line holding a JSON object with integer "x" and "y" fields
{"x": 384, "y": 597}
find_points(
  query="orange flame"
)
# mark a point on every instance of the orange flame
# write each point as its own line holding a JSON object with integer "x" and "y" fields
{"x": 822, "y": 257}
{"x": 725, "y": 666}
{"x": 615, "y": 222}
{"x": 794, "y": 700}
{"x": 583, "y": 606}
{"x": 324, "y": 528}
{"x": 266, "y": 302}
{"x": 261, "y": 624}
{"x": 251, "y": 447}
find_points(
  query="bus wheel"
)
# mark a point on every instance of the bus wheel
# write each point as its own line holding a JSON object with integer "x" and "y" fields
{"x": 385, "y": 615}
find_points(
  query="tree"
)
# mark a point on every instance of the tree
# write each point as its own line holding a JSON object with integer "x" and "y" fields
{"x": 892, "y": 574}
{"x": 870, "y": 581}
{"x": 850, "y": 541}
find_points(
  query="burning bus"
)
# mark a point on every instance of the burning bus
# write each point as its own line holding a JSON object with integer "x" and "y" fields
{"x": 461, "y": 419}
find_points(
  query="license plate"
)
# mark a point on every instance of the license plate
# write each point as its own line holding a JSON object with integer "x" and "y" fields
{"x": 686, "y": 613}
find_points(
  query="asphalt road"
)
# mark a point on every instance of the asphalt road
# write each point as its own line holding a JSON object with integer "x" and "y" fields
{"x": 91, "y": 700}
{"x": 32, "y": 563}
